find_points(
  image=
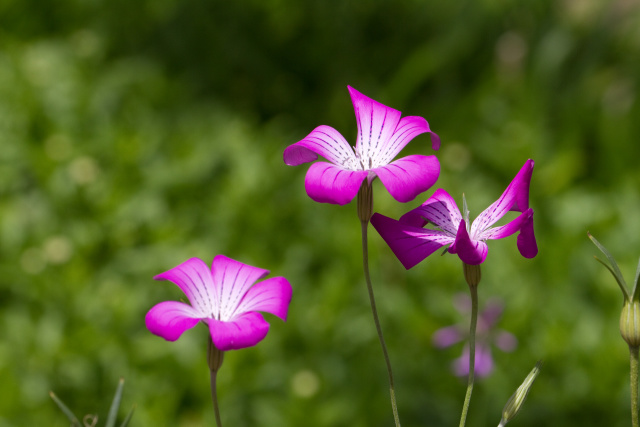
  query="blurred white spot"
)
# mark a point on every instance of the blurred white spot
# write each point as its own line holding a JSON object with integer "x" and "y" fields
{"x": 57, "y": 249}
{"x": 305, "y": 383}
{"x": 84, "y": 170}
{"x": 32, "y": 260}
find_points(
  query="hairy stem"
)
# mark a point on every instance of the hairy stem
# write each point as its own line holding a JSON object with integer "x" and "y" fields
{"x": 472, "y": 353}
{"x": 633, "y": 351}
{"x": 374, "y": 310}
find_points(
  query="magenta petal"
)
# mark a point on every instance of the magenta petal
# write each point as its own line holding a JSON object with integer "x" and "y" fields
{"x": 326, "y": 183}
{"x": 446, "y": 337}
{"x": 407, "y": 177}
{"x": 194, "y": 279}
{"x": 232, "y": 280}
{"x": 170, "y": 319}
{"x": 324, "y": 141}
{"x": 272, "y": 296}
{"x": 408, "y": 128}
{"x": 410, "y": 244}
{"x": 244, "y": 331}
{"x": 483, "y": 362}
{"x": 472, "y": 252}
{"x": 527, "y": 240}
{"x": 441, "y": 210}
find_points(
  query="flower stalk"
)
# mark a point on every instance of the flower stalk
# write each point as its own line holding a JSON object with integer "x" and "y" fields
{"x": 472, "y": 275}
{"x": 214, "y": 359}
{"x": 365, "y": 209}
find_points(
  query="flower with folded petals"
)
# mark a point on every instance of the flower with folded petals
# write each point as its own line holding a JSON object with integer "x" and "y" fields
{"x": 382, "y": 134}
{"x": 412, "y": 243}
{"x": 487, "y": 335}
{"x": 225, "y": 298}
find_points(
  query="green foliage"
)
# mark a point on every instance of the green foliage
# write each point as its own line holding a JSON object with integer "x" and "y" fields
{"x": 134, "y": 135}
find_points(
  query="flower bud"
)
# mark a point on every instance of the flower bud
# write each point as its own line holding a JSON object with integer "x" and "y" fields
{"x": 515, "y": 402}
{"x": 630, "y": 323}
{"x": 472, "y": 274}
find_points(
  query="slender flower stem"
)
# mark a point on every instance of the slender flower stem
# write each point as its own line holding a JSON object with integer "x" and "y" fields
{"x": 214, "y": 396}
{"x": 214, "y": 360}
{"x": 374, "y": 310}
{"x": 472, "y": 352}
{"x": 633, "y": 351}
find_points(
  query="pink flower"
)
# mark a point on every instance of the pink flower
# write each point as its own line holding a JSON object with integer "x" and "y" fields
{"x": 487, "y": 335}
{"x": 382, "y": 134}
{"x": 411, "y": 243}
{"x": 225, "y": 298}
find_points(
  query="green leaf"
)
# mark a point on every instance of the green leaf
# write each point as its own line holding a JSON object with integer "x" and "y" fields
{"x": 115, "y": 405}
{"x": 614, "y": 269}
{"x": 129, "y": 415}
{"x": 72, "y": 418}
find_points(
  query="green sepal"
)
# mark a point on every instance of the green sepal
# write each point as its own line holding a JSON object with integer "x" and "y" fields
{"x": 614, "y": 269}
{"x": 72, "y": 418}
{"x": 635, "y": 294}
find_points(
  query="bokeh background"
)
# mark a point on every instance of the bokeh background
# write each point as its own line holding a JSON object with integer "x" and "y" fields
{"x": 137, "y": 134}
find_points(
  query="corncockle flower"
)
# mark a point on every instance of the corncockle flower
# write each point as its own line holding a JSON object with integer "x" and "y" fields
{"x": 411, "y": 243}
{"x": 486, "y": 336}
{"x": 382, "y": 134}
{"x": 225, "y": 298}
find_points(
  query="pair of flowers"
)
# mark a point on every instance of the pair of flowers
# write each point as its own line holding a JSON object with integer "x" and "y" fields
{"x": 223, "y": 296}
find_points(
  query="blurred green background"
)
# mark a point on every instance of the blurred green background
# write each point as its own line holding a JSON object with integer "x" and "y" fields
{"x": 137, "y": 134}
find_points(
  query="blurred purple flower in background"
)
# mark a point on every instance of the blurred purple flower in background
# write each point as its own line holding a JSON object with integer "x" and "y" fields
{"x": 382, "y": 134}
{"x": 225, "y": 298}
{"x": 487, "y": 335}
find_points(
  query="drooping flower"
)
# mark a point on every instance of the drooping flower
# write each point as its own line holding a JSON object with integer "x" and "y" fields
{"x": 382, "y": 134}
{"x": 225, "y": 298}
{"x": 412, "y": 243}
{"x": 486, "y": 336}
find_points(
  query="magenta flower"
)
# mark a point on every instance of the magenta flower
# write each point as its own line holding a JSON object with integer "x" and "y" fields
{"x": 487, "y": 335}
{"x": 225, "y": 298}
{"x": 382, "y": 134}
{"x": 411, "y": 243}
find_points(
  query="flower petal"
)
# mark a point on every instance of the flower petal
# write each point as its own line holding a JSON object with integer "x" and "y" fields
{"x": 508, "y": 229}
{"x": 410, "y": 244}
{"x": 194, "y": 279}
{"x": 472, "y": 252}
{"x": 408, "y": 128}
{"x": 244, "y": 331}
{"x": 527, "y": 240}
{"x": 515, "y": 198}
{"x": 170, "y": 319}
{"x": 407, "y": 177}
{"x": 324, "y": 141}
{"x": 439, "y": 209}
{"x": 446, "y": 337}
{"x": 506, "y": 341}
{"x": 376, "y": 124}
{"x": 272, "y": 295}
{"x": 232, "y": 279}
{"x": 326, "y": 183}
{"x": 483, "y": 361}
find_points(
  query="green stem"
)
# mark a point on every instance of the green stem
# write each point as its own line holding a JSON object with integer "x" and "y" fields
{"x": 633, "y": 351}
{"x": 374, "y": 310}
{"x": 214, "y": 396}
{"x": 472, "y": 353}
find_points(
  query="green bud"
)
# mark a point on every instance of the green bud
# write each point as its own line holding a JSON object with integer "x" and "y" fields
{"x": 630, "y": 323}
{"x": 472, "y": 274}
{"x": 515, "y": 402}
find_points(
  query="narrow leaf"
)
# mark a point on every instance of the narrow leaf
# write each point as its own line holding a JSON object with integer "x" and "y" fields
{"x": 72, "y": 418}
{"x": 635, "y": 292}
{"x": 614, "y": 269}
{"x": 125, "y": 423}
{"x": 115, "y": 405}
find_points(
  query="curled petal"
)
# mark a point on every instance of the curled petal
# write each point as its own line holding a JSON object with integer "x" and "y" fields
{"x": 170, "y": 319}
{"x": 407, "y": 177}
{"x": 440, "y": 209}
{"x": 527, "y": 240}
{"x": 272, "y": 296}
{"x": 515, "y": 198}
{"x": 327, "y": 183}
{"x": 324, "y": 141}
{"x": 194, "y": 279}
{"x": 232, "y": 280}
{"x": 472, "y": 252}
{"x": 243, "y": 331}
{"x": 410, "y": 244}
